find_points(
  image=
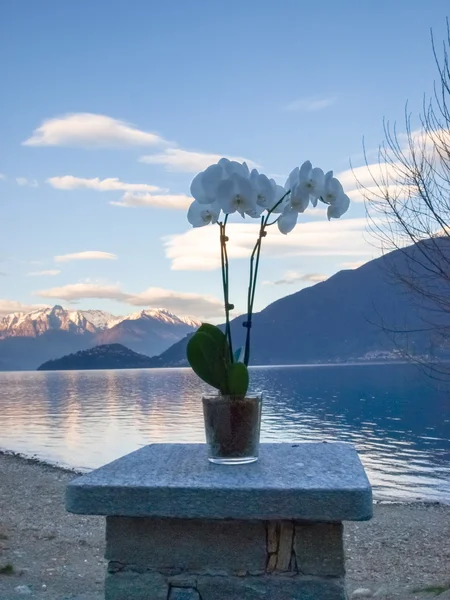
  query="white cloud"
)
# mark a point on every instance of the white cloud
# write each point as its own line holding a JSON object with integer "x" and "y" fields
{"x": 291, "y": 277}
{"x": 111, "y": 184}
{"x": 190, "y": 251}
{"x": 176, "y": 159}
{"x": 78, "y": 291}
{"x": 388, "y": 175}
{"x": 136, "y": 194}
{"x": 311, "y": 103}
{"x": 373, "y": 179}
{"x": 48, "y": 273}
{"x": 318, "y": 212}
{"x": 353, "y": 264}
{"x": 181, "y": 303}
{"x": 2, "y": 176}
{"x": 86, "y": 255}
{"x": 426, "y": 142}
{"x": 11, "y": 306}
{"x": 366, "y": 175}
{"x": 23, "y": 181}
{"x": 90, "y": 130}
{"x": 175, "y": 201}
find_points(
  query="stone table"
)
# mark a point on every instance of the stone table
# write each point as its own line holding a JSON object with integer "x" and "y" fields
{"x": 181, "y": 528}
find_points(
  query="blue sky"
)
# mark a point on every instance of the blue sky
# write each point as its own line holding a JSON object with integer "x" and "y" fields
{"x": 143, "y": 92}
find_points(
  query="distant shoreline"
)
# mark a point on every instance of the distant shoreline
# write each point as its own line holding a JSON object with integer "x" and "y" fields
{"x": 33, "y": 459}
{"x": 355, "y": 363}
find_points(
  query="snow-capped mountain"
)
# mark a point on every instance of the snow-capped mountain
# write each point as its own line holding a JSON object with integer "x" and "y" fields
{"x": 148, "y": 331}
{"x": 39, "y": 321}
{"x": 27, "y": 339}
{"x": 100, "y": 318}
{"x": 163, "y": 315}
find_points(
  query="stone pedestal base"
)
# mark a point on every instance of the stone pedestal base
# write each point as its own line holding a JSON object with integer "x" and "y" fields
{"x": 152, "y": 586}
{"x": 186, "y": 559}
{"x": 181, "y": 528}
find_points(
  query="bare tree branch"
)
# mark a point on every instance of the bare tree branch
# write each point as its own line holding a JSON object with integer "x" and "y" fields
{"x": 408, "y": 205}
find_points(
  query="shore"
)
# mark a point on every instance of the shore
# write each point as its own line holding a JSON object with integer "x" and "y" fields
{"x": 47, "y": 553}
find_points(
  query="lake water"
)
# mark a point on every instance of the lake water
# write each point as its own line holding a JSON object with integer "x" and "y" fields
{"x": 398, "y": 418}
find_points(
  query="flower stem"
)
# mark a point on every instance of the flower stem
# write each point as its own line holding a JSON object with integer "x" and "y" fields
{"x": 254, "y": 266}
{"x": 251, "y": 290}
{"x": 225, "y": 283}
{"x": 269, "y": 212}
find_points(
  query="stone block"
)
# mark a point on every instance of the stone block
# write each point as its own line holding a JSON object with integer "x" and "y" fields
{"x": 135, "y": 586}
{"x": 270, "y": 587}
{"x": 272, "y": 563}
{"x": 285, "y": 542}
{"x": 183, "y": 594}
{"x": 272, "y": 537}
{"x": 319, "y": 549}
{"x": 184, "y": 580}
{"x": 188, "y": 545}
{"x": 322, "y": 482}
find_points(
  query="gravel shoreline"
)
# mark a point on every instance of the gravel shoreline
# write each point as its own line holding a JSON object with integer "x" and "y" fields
{"x": 58, "y": 556}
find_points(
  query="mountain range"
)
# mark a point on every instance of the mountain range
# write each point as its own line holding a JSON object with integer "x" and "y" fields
{"x": 360, "y": 314}
{"x": 366, "y": 313}
{"x": 29, "y": 339}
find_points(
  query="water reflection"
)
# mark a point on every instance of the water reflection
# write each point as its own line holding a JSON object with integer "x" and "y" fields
{"x": 399, "y": 422}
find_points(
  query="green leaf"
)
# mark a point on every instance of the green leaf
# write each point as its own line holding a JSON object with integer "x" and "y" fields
{"x": 208, "y": 359}
{"x": 217, "y": 334}
{"x": 220, "y": 338}
{"x": 238, "y": 379}
{"x": 221, "y": 342}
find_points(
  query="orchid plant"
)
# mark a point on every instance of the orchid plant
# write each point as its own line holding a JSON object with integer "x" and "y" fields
{"x": 230, "y": 187}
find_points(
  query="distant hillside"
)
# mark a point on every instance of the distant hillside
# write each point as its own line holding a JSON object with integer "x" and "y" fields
{"x": 148, "y": 331}
{"x": 341, "y": 319}
{"x": 107, "y": 356}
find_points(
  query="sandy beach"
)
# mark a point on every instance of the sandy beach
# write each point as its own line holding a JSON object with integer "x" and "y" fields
{"x": 403, "y": 553}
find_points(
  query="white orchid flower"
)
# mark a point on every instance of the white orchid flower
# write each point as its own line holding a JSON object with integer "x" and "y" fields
{"x": 254, "y": 212}
{"x": 265, "y": 193}
{"x": 316, "y": 185}
{"x": 311, "y": 182}
{"x": 196, "y": 188}
{"x": 278, "y": 192}
{"x": 288, "y": 220}
{"x": 305, "y": 170}
{"x": 333, "y": 195}
{"x": 233, "y": 167}
{"x": 332, "y": 189}
{"x": 204, "y": 185}
{"x": 200, "y": 215}
{"x": 299, "y": 198}
{"x": 292, "y": 180}
{"x": 236, "y": 194}
{"x": 306, "y": 185}
{"x": 339, "y": 207}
